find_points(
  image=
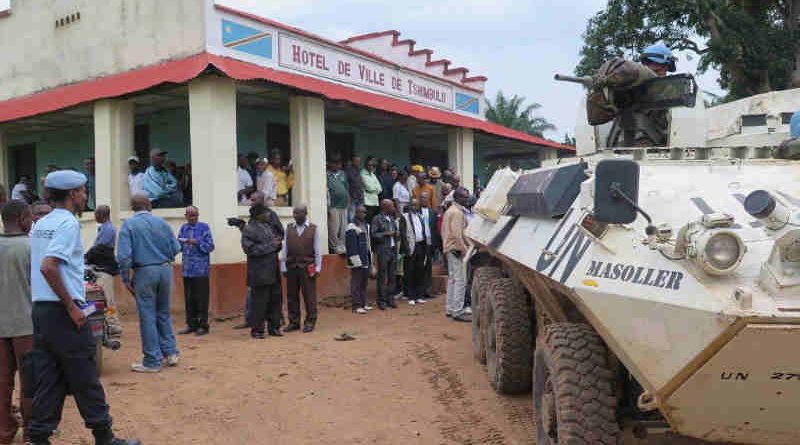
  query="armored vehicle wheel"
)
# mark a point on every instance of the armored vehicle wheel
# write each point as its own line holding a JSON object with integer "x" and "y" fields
{"x": 507, "y": 337}
{"x": 479, "y": 282}
{"x": 573, "y": 388}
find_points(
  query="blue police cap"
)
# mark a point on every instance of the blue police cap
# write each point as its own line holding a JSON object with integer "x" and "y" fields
{"x": 64, "y": 180}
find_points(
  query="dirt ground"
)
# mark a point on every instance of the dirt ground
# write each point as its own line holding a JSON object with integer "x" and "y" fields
{"x": 408, "y": 378}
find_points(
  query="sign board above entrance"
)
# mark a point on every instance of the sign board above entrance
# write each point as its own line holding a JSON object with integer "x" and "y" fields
{"x": 313, "y": 58}
{"x": 264, "y": 42}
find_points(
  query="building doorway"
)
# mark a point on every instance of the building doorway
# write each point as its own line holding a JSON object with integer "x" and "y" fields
{"x": 279, "y": 137}
{"x": 22, "y": 162}
{"x": 427, "y": 158}
{"x": 342, "y": 143}
{"x": 141, "y": 144}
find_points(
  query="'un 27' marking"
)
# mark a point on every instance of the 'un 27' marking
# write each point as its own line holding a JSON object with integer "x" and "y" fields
{"x": 566, "y": 247}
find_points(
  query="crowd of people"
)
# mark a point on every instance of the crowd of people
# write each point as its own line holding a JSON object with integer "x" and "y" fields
{"x": 393, "y": 224}
{"x": 390, "y": 224}
{"x": 269, "y": 176}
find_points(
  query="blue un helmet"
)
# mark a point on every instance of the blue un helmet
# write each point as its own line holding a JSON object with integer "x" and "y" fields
{"x": 661, "y": 55}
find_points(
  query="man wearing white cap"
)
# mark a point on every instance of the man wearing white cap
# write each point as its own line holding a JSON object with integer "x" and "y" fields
{"x": 63, "y": 358}
{"x": 135, "y": 176}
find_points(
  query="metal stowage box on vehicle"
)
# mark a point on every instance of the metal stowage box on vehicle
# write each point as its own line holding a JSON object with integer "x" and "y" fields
{"x": 547, "y": 192}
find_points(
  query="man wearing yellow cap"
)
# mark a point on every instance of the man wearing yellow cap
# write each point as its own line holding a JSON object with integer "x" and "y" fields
{"x": 412, "y": 177}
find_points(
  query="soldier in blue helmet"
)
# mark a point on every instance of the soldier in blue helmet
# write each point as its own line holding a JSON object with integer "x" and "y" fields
{"x": 659, "y": 59}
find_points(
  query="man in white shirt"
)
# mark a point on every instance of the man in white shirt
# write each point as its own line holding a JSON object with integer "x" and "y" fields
{"x": 135, "y": 176}
{"x": 301, "y": 263}
{"x": 20, "y": 190}
{"x": 245, "y": 181}
{"x": 266, "y": 182}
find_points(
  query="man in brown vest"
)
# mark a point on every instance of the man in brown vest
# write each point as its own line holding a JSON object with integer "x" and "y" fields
{"x": 301, "y": 262}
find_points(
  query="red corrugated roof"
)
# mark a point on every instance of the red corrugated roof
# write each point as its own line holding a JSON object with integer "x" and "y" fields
{"x": 180, "y": 71}
{"x": 176, "y": 71}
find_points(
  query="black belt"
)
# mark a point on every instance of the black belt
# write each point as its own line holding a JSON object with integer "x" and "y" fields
{"x": 56, "y": 303}
{"x": 139, "y": 266}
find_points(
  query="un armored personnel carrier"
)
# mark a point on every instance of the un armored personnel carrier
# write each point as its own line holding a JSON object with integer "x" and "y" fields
{"x": 644, "y": 289}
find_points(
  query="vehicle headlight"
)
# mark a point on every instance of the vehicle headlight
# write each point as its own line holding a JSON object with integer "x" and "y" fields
{"x": 719, "y": 252}
{"x": 722, "y": 251}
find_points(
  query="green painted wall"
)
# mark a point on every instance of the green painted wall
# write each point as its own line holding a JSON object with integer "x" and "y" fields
{"x": 251, "y": 128}
{"x": 169, "y": 130}
{"x": 65, "y": 148}
{"x": 393, "y": 146}
{"x": 251, "y": 135}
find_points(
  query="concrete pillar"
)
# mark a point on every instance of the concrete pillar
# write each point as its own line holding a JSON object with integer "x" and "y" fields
{"x": 4, "y": 162}
{"x": 113, "y": 143}
{"x": 212, "y": 114}
{"x": 307, "y": 129}
{"x": 461, "y": 154}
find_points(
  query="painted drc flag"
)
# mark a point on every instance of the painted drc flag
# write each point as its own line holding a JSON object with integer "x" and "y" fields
{"x": 467, "y": 103}
{"x": 246, "y": 39}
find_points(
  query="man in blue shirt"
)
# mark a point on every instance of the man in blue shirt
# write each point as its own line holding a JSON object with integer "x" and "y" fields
{"x": 63, "y": 359}
{"x": 148, "y": 246}
{"x": 101, "y": 260}
{"x": 196, "y": 247}
{"x": 159, "y": 184}
{"x": 106, "y": 233}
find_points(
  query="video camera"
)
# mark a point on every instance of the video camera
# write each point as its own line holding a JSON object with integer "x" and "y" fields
{"x": 239, "y": 223}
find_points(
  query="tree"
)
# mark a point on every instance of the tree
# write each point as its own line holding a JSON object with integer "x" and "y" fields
{"x": 753, "y": 43}
{"x": 509, "y": 113}
{"x": 569, "y": 140}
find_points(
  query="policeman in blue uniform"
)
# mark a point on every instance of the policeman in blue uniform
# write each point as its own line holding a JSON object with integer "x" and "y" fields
{"x": 63, "y": 358}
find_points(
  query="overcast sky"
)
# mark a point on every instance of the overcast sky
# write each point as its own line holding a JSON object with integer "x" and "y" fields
{"x": 517, "y": 44}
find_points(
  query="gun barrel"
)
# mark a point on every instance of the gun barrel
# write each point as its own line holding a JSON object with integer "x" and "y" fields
{"x": 584, "y": 80}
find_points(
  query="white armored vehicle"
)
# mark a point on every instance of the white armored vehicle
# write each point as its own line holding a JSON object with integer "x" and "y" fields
{"x": 645, "y": 290}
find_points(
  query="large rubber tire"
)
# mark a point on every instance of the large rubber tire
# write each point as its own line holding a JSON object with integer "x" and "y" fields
{"x": 507, "y": 337}
{"x": 573, "y": 388}
{"x": 480, "y": 280}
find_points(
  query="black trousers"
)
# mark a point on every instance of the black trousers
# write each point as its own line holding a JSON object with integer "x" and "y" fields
{"x": 387, "y": 265}
{"x": 297, "y": 280}
{"x": 428, "y": 273}
{"x": 468, "y": 287}
{"x": 63, "y": 361}
{"x": 415, "y": 271}
{"x": 266, "y": 307}
{"x": 195, "y": 296}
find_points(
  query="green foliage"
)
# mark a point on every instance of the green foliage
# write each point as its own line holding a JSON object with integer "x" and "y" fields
{"x": 569, "y": 140}
{"x": 509, "y": 112}
{"x": 752, "y": 43}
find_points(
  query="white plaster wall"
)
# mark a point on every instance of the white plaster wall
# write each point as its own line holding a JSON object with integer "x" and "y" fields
{"x": 724, "y": 120}
{"x": 418, "y": 62}
{"x": 382, "y": 47}
{"x": 112, "y": 36}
